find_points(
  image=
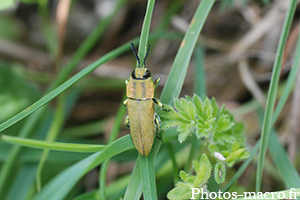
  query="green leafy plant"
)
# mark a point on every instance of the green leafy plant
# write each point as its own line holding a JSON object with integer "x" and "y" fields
{"x": 183, "y": 190}
{"x": 216, "y": 125}
{"x": 206, "y": 120}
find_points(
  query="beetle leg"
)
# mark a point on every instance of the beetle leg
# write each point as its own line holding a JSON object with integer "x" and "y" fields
{"x": 157, "y": 123}
{"x": 126, "y": 122}
{"x": 157, "y": 126}
{"x": 159, "y": 103}
{"x": 126, "y": 81}
{"x": 156, "y": 82}
{"x": 125, "y": 102}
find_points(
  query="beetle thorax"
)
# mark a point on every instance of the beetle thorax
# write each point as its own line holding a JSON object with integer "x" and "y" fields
{"x": 140, "y": 85}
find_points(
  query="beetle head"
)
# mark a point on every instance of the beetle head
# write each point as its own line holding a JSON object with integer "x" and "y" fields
{"x": 140, "y": 74}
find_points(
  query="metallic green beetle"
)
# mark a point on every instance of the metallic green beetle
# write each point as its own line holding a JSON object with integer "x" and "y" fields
{"x": 142, "y": 119}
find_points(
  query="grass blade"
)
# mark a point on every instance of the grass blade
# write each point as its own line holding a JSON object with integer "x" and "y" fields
{"x": 13, "y": 154}
{"x": 112, "y": 136}
{"x": 60, "y": 186}
{"x": 134, "y": 188}
{"x": 283, "y": 164}
{"x": 64, "y": 86}
{"x": 174, "y": 83}
{"x": 146, "y": 163}
{"x": 148, "y": 177}
{"x": 200, "y": 81}
{"x": 79, "y": 54}
{"x": 290, "y": 82}
{"x": 177, "y": 74}
{"x": 85, "y": 130}
{"x": 87, "y": 45}
{"x": 113, "y": 191}
{"x": 53, "y": 131}
{"x": 273, "y": 141}
{"x": 267, "y": 122}
{"x": 143, "y": 45}
{"x": 56, "y": 146}
{"x": 48, "y": 97}
{"x": 23, "y": 182}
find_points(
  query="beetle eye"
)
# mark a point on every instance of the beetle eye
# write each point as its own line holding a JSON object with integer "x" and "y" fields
{"x": 133, "y": 74}
{"x": 147, "y": 74}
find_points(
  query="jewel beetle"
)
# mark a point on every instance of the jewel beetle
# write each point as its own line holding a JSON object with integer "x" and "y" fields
{"x": 142, "y": 119}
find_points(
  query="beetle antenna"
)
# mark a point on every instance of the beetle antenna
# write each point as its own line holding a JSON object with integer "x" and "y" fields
{"x": 136, "y": 56}
{"x": 147, "y": 54}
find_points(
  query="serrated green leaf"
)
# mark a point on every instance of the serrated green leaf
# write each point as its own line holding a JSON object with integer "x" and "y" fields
{"x": 181, "y": 191}
{"x": 185, "y": 177}
{"x": 204, "y": 119}
{"x": 204, "y": 127}
{"x": 171, "y": 112}
{"x": 188, "y": 109}
{"x": 235, "y": 146}
{"x": 198, "y": 105}
{"x": 188, "y": 98}
{"x": 238, "y": 130}
{"x": 235, "y": 155}
{"x": 212, "y": 149}
{"x": 174, "y": 117}
{"x": 203, "y": 171}
{"x": 183, "y": 135}
{"x": 223, "y": 123}
{"x": 196, "y": 165}
{"x": 178, "y": 104}
{"x": 197, "y": 101}
{"x": 244, "y": 155}
{"x": 170, "y": 118}
{"x": 230, "y": 164}
{"x": 225, "y": 153}
{"x": 215, "y": 106}
{"x": 165, "y": 124}
{"x": 222, "y": 110}
{"x": 182, "y": 128}
{"x": 191, "y": 110}
{"x": 201, "y": 133}
{"x": 207, "y": 109}
{"x": 222, "y": 139}
{"x": 184, "y": 103}
{"x": 183, "y": 109}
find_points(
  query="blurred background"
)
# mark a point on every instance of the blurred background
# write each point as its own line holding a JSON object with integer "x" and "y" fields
{"x": 238, "y": 44}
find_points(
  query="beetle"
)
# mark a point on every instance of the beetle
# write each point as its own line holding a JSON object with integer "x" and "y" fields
{"x": 142, "y": 120}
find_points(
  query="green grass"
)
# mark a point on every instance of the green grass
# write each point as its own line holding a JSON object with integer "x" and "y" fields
{"x": 112, "y": 136}
{"x": 57, "y": 146}
{"x": 267, "y": 122}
